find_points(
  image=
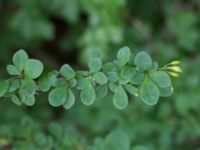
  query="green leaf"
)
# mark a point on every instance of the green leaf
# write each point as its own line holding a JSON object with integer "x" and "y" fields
{"x": 73, "y": 82}
{"x": 82, "y": 83}
{"x": 14, "y": 85}
{"x": 127, "y": 72}
{"x": 112, "y": 86}
{"x": 44, "y": 84}
{"x": 19, "y": 59}
{"x": 28, "y": 87}
{"x": 33, "y": 68}
{"x": 161, "y": 78}
{"x": 29, "y": 100}
{"x": 154, "y": 66}
{"x": 122, "y": 80}
{"x": 109, "y": 67}
{"x": 143, "y": 60}
{"x": 165, "y": 92}
{"x": 112, "y": 76}
{"x": 117, "y": 140}
{"x": 4, "y": 84}
{"x": 95, "y": 65}
{"x": 149, "y": 92}
{"x": 123, "y": 56}
{"x": 131, "y": 89}
{"x": 67, "y": 72}
{"x": 120, "y": 98}
{"x": 88, "y": 94}
{"x": 53, "y": 78}
{"x": 16, "y": 100}
{"x": 137, "y": 78}
{"x": 101, "y": 91}
{"x": 70, "y": 101}
{"x": 100, "y": 78}
{"x": 58, "y": 96}
{"x": 12, "y": 70}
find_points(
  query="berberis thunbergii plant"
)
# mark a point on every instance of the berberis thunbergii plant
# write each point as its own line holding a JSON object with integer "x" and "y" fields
{"x": 130, "y": 74}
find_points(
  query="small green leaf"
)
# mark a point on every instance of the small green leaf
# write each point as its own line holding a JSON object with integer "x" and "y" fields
{"x": 120, "y": 98}
{"x": 165, "y": 92}
{"x": 161, "y": 78}
{"x": 53, "y": 78}
{"x": 123, "y": 56}
{"x": 88, "y": 94}
{"x": 109, "y": 67}
{"x": 112, "y": 76}
{"x": 82, "y": 83}
{"x": 101, "y": 91}
{"x": 95, "y": 65}
{"x": 143, "y": 60}
{"x": 16, "y": 100}
{"x": 19, "y": 59}
{"x": 58, "y": 96}
{"x": 33, "y": 68}
{"x": 154, "y": 66}
{"x": 131, "y": 89}
{"x": 4, "y": 84}
{"x": 100, "y": 78}
{"x": 123, "y": 80}
{"x": 127, "y": 72}
{"x": 70, "y": 101}
{"x": 137, "y": 78}
{"x": 14, "y": 85}
{"x": 29, "y": 100}
{"x": 73, "y": 82}
{"x": 67, "y": 72}
{"x": 12, "y": 70}
{"x": 28, "y": 87}
{"x": 117, "y": 140}
{"x": 44, "y": 84}
{"x": 149, "y": 92}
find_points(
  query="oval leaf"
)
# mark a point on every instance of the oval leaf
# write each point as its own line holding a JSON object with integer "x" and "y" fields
{"x": 100, "y": 78}
{"x": 88, "y": 94}
{"x": 161, "y": 78}
{"x": 149, "y": 92}
{"x": 165, "y": 92}
{"x": 102, "y": 91}
{"x": 19, "y": 59}
{"x": 143, "y": 60}
{"x": 33, "y": 68}
{"x": 12, "y": 70}
{"x": 44, "y": 84}
{"x": 58, "y": 96}
{"x": 70, "y": 101}
{"x": 67, "y": 72}
{"x": 123, "y": 56}
{"x": 95, "y": 64}
{"x": 28, "y": 87}
{"x": 120, "y": 98}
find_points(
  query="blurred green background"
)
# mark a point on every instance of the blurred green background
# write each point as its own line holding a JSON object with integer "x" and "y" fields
{"x": 72, "y": 31}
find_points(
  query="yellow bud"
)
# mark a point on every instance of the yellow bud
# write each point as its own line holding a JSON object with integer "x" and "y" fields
{"x": 175, "y": 68}
{"x": 175, "y": 62}
{"x": 173, "y": 74}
